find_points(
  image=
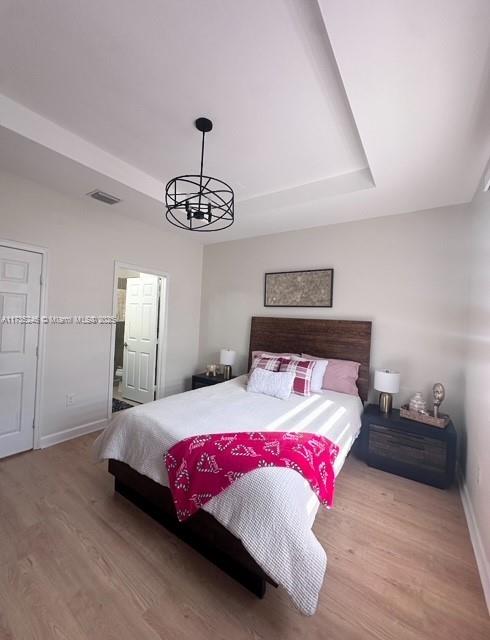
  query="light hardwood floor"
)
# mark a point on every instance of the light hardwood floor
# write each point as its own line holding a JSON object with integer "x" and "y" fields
{"x": 77, "y": 562}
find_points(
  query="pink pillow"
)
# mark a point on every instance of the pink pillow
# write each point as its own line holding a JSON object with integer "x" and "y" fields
{"x": 302, "y": 370}
{"x": 340, "y": 375}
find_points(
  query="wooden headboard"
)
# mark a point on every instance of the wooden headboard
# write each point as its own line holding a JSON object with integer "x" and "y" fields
{"x": 340, "y": 339}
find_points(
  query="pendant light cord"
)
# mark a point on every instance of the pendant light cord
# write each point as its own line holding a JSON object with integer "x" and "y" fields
{"x": 200, "y": 174}
{"x": 202, "y": 153}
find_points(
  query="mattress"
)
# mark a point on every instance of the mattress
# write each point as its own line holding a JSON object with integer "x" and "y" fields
{"x": 271, "y": 510}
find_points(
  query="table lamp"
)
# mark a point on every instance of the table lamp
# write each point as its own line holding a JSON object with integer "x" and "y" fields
{"x": 227, "y": 358}
{"x": 387, "y": 382}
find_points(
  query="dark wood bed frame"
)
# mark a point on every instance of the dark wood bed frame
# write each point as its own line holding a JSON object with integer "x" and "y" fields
{"x": 341, "y": 339}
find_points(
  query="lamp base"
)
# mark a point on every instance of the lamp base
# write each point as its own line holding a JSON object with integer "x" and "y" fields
{"x": 385, "y": 402}
{"x": 227, "y": 372}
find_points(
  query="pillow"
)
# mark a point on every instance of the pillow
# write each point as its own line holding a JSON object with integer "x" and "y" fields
{"x": 341, "y": 376}
{"x": 271, "y": 354}
{"x": 318, "y": 373}
{"x": 302, "y": 370}
{"x": 266, "y": 362}
{"x": 271, "y": 383}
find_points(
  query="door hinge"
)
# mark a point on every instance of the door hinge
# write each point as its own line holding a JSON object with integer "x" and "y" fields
{"x": 33, "y": 423}
{"x": 41, "y": 279}
{"x": 37, "y": 352}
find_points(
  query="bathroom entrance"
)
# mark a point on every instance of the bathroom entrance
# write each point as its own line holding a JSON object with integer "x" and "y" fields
{"x": 140, "y": 306}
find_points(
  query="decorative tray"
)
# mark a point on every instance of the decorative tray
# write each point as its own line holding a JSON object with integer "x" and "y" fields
{"x": 426, "y": 418}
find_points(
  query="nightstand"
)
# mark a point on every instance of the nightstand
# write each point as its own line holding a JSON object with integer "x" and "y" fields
{"x": 408, "y": 448}
{"x": 202, "y": 380}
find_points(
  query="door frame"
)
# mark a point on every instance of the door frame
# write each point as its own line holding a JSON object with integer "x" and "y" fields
{"x": 162, "y": 328}
{"x": 41, "y": 358}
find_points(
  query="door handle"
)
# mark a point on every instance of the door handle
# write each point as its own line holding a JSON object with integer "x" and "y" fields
{"x": 125, "y": 345}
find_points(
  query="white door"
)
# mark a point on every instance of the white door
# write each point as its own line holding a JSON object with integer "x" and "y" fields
{"x": 20, "y": 289}
{"x": 140, "y": 338}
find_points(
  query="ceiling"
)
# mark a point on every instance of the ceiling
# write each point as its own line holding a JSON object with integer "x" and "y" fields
{"x": 323, "y": 111}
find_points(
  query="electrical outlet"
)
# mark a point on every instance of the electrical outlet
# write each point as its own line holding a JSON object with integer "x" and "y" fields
{"x": 70, "y": 397}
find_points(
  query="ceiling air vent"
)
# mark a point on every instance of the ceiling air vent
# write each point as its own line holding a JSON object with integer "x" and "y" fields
{"x": 104, "y": 197}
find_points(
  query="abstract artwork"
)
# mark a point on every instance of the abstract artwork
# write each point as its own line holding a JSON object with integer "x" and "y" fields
{"x": 312, "y": 288}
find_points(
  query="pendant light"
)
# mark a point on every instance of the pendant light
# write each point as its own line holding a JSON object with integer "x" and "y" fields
{"x": 200, "y": 202}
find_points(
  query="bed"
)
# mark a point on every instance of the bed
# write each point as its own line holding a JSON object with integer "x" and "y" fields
{"x": 267, "y": 508}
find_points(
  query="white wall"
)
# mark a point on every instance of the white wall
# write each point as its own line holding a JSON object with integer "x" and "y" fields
{"x": 476, "y": 488}
{"x": 84, "y": 239}
{"x": 406, "y": 273}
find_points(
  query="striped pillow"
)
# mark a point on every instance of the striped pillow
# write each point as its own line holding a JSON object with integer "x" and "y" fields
{"x": 302, "y": 370}
{"x": 274, "y": 354}
{"x": 270, "y": 363}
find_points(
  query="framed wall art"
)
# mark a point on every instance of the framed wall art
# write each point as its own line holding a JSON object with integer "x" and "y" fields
{"x": 310, "y": 288}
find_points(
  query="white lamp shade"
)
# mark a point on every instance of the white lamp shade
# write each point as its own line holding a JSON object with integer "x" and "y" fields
{"x": 227, "y": 356}
{"x": 387, "y": 381}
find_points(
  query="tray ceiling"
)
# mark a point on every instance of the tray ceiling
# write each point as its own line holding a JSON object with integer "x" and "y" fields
{"x": 323, "y": 111}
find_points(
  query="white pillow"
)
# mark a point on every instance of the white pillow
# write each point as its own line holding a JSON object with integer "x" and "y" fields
{"x": 277, "y": 384}
{"x": 318, "y": 375}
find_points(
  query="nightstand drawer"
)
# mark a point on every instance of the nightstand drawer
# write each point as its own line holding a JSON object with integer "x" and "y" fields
{"x": 408, "y": 448}
{"x": 198, "y": 384}
{"x": 200, "y": 380}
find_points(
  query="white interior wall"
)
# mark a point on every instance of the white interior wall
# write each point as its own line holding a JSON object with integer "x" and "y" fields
{"x": 84, "y": 238}
{"x": 476, "y": 485}
{"x": 406, "y": 273}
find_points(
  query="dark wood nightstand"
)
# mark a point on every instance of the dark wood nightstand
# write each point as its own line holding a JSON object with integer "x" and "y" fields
{"x": 408, "y": 448}
{"x": 202, "y": 380}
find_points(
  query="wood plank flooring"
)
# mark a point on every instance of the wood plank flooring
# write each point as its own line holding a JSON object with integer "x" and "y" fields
{"x": 79, "y": 563}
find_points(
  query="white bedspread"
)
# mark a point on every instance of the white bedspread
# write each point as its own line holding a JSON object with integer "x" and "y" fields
{"x": 271, "y": 510}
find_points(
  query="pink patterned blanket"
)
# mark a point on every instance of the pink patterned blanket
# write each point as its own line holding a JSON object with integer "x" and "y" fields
{"x": 203, "y": 466}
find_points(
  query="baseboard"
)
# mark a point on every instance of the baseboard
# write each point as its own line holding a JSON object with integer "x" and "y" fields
{"x": 476, "y": 541}
{"x": 69, "y": 434}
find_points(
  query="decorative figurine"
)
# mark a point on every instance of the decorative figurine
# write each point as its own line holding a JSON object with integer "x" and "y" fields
{"x": 438, "y": 393}
{"x": 417, "y": 402}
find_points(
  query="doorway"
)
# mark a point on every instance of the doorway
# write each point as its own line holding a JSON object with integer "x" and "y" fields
{"x": 138, "y": 336}
{"x": 20, "y": 307}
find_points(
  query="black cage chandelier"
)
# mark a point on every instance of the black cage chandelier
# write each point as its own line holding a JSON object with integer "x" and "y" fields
{"x": 199, "y": 202}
